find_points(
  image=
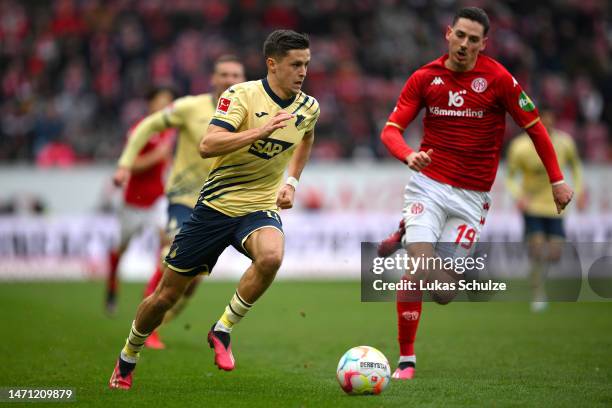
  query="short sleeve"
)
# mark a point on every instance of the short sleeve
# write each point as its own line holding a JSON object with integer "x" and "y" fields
{"x": 174, "y": 114}
{"x": 231, "y": 109}
{"x": 314, "y": 118}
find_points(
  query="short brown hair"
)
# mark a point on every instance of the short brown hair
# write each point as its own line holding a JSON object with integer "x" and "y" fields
{"x": 280, "y": 42}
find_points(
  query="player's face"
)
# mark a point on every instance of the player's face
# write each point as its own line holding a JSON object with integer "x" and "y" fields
{"x": 290, "y": 71}
{"x": 227, "y": 74}
{"x": 465, "y": 40}
{"x": 160, "y": 101}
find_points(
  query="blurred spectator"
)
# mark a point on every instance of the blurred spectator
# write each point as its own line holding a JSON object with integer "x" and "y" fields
{"x": 94, "y": 59}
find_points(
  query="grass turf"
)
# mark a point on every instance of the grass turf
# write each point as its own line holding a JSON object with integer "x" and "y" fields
{"x": 287, "y": 349}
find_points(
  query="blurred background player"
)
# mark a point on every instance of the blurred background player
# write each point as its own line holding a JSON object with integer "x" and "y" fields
{"x": 191, "y": 115}
{"x": 260, "y": 130}
{"x": 544, "y": 230}
{"x": 144, "y": 204}
{"x": 466, "y": 96}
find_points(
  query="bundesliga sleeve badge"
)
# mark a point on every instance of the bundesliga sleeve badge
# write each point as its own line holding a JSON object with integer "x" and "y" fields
{"x": 223, "y": 106}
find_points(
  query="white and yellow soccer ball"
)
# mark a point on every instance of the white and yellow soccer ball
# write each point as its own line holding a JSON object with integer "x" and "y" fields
{"x": 363, "y": 370}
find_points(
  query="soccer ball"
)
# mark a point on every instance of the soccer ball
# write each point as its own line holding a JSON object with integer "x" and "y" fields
{"x": 363, "y": 370}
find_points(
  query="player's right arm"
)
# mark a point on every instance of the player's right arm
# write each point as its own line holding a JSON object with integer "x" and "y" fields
{"x": 408, "y": 106}
{"x": 232, "y": 110}
{"x": 219, "y": 140}
{"x": 169, "y": 117}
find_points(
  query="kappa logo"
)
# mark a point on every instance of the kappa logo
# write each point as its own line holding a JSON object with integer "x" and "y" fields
{"x": 268, "y": 148}
{"x": 260, "y": 114}
{"x": 455, "y": 98}
{"x": 437, "y": 81}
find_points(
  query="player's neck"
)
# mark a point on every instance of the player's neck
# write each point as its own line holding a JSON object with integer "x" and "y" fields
{"x": 458, "y": 68}
{"x": 276, "y": 88}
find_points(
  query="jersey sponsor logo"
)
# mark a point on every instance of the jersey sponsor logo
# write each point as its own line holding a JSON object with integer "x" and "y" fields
{"x": 464, "y": 113}
{"x": 525, "y": 102}
{"x": 455, "y": 99}
{"x": 223, "y": 105}
{"x": 479, "y": 85}
{"x": 268, "y": 148}
{"x": 260, "y": 114}
{"x": 437, "y": 81}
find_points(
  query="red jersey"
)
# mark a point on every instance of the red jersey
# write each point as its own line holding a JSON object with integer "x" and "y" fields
{"x": 464, "y": 119}
{"x": 144, "y": 188}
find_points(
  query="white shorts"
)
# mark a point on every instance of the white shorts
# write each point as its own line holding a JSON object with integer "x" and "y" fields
{"x": 133, "y": 219}
{"x": 440, "y": 213}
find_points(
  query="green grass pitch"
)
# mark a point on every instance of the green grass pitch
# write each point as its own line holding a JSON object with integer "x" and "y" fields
{"x": 287, "y": 349}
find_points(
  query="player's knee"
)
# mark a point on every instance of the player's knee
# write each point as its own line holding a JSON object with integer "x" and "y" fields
{"x": 554, "y": 255}
{"x": 269, "y": 261}
{"x": 536, "y": 251}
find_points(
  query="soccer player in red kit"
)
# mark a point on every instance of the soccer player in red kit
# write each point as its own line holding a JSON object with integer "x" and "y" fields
{"x": 465, "y": 96}
{"x": 144, "y": 202}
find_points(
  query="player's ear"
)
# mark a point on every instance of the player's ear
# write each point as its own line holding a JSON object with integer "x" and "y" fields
{"x": 271, "y": 64}
{"x": 449, "y": 31}
{"x": 484, "y": 43}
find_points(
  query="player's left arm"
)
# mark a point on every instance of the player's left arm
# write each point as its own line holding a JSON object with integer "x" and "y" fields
{"x": 525, "y": 114}
{"x": 562, "y": 192}
{"x": 284, "y": 199}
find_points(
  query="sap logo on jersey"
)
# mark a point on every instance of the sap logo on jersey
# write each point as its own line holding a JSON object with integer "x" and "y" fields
{"x": 455, "y": 98}
{"x": 268, "y": 148}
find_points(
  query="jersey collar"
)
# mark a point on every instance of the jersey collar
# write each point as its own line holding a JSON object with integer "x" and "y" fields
{"x": 283, "y": 103}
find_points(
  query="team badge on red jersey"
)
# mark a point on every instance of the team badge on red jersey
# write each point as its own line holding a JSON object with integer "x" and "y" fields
{"x": 223, "y": 105}
{"x": 416, "y": 208}
{"x": 479, "y": 85}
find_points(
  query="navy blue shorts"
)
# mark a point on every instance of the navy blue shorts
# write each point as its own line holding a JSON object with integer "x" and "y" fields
{"x": 178, "y": 214}
{"x": 208, "y": 232}
{"x": 549, "y": 226}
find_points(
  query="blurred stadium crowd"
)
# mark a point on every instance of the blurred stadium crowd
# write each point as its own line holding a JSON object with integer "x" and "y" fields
{"x": 74, "y": 72}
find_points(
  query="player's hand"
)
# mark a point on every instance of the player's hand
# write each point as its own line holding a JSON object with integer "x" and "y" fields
{"x": 279, "y": 121}
{"x": 284, "y": 200}
{"x": 417, "y": 161}
{"x": 562, "y": 194}
{"x": 522, "y": 204}
{"x": 121, "y": 176}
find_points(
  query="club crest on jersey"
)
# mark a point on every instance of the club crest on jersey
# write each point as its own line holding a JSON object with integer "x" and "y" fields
{"x": 223, "y": 105}
{"x": 411, "y": 316}
{"x": 268, "y": 148}
{"x": 479, "y": 85}
{"x": 416, "y": 208}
